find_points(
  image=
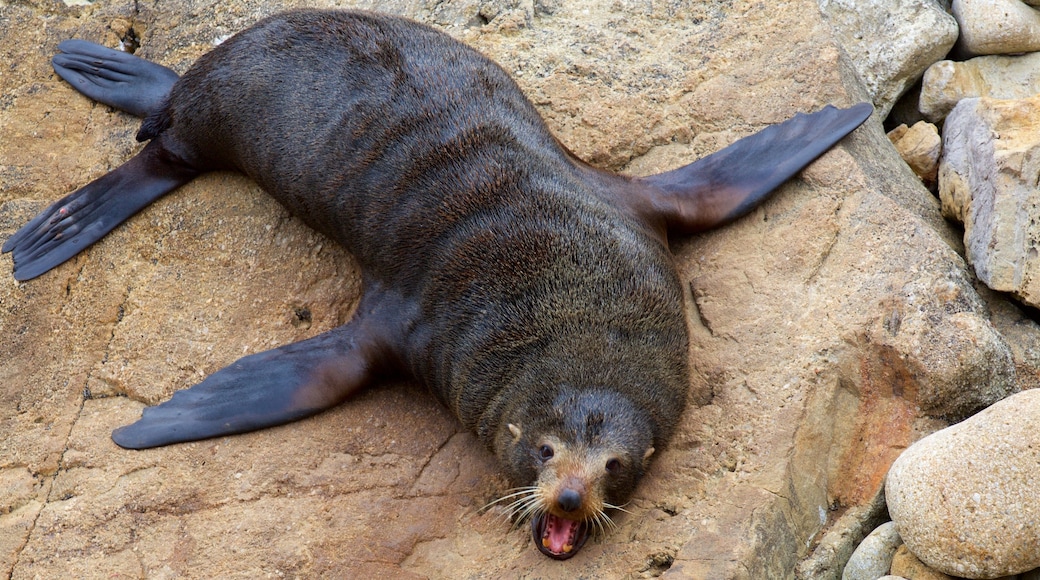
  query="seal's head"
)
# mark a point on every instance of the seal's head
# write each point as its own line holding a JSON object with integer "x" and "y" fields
{"x": 584, "y": 457}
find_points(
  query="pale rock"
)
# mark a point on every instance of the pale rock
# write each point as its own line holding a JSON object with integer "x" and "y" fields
{"x": 920, "y": 147}
{"x": 947, "y": 82}
{"x": 997, "y": 26}
{"x": 891, "y": 577}
{"x": 965, "y": 498}
{"x": 873, "y": 557}
{"x": 905, "y": 563}
{"x": 987, "y": 180}
{"x": 890, "y": 43}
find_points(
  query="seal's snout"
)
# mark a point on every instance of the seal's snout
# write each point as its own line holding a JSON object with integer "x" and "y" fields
{"x": 563, "y": 529}
{"x": 569, "y": 500}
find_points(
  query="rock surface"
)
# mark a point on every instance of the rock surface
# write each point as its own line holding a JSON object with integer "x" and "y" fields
{"x": 891, "y": 43}
{"x": 946, "y": 82}
{"x": 987, "y": 180}
{"x": 905, "y": 564}
{"x": 920, "y": 146}
{"x": 873, "y": 558}
{"x": 997, "y": 26}
{"x": 826, "y": 327}
{"x": 965, "y": 498}
{"x": 841, "y": 539}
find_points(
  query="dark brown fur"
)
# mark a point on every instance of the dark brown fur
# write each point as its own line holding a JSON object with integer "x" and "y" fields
{"x": 526, "y": 280}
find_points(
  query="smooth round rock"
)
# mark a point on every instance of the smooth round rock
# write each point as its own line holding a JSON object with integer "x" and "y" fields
{"x": 873, "y": 558}
{"x": 965, "y": 498}
{"x": 997, "y": 26}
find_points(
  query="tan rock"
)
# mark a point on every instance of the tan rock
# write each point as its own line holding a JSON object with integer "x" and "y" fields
{"x": 965, "y": 498}
{"x": 997, "y": 26}
{"x": 891, "y": 43}
{"x": 823, "y": 325}
{"x": 946, "y": 82}
{"x": 905, "y": 564}
{"x": 920, "y": 147}
{"x": 987, "y": 181}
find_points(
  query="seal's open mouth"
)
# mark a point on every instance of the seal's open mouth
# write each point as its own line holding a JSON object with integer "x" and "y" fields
{"x": 558, "y": 538}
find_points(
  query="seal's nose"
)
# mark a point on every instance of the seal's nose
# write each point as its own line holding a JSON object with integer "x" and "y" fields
{"x": 569, "y": 500}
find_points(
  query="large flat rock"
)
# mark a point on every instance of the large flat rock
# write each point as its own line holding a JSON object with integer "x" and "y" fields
{"x": 827, "y": 326}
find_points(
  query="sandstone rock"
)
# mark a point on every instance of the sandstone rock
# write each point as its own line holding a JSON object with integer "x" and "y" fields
{"x": 841, "y": 539}
{"x": 987, "y": 181}
{"x": 823, "y": 325}
{"x": 891, "y": 43}
{"x": 947, "y": 82}
{"x": 905, "y": 564}
{"x": 873, "y": 558}
{"x": 920, "y": 147}
{"x": 965, "y": 498}
{"x": 997, "y": 26}
{"x": 1020, "y": 331}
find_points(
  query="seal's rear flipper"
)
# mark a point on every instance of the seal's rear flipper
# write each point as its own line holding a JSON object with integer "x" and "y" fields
{"x": 84, "y": 216}
{"x": 113, "y": 77}
{"x": 727, "y": 184}
{"x": 262, "y": 390}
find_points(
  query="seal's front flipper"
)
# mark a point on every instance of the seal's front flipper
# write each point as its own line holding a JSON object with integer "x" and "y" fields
{"x": 113, "y": 77}
{"x": 265, "y": 389}
{"x": 84, "y": 216}
{"x": 726, "y": 185}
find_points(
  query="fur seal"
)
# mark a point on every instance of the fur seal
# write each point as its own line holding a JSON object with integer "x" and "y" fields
{"x": 533, "y": 294}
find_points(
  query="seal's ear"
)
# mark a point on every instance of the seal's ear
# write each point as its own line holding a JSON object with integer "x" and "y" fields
{"x": 646, "y": 457}
{"x": 725, "y": 185}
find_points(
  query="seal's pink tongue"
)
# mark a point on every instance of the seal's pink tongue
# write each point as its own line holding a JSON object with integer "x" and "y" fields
{"x": 558, "y": 538}
{"x": 559, "y": 534}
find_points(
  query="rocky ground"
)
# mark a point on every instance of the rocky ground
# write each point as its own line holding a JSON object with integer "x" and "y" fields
{"x": 830, "y": 328}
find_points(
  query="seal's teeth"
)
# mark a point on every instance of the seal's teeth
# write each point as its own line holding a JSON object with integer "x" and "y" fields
{"x": 567, "y": 548}
{"x": 545, "y": 541}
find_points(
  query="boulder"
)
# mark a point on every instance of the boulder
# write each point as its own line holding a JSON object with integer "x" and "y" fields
{"x": 987, "y": 180}
{"x": 964, "y": 498}
{"x": 891, "y": 43}
{"x": 997, "y": 26}
{"x": 947, "y": 82}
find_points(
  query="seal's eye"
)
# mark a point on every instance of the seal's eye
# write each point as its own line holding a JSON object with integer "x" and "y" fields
{"x": 613, "y": 466}
{"x": 545, "y": 452}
